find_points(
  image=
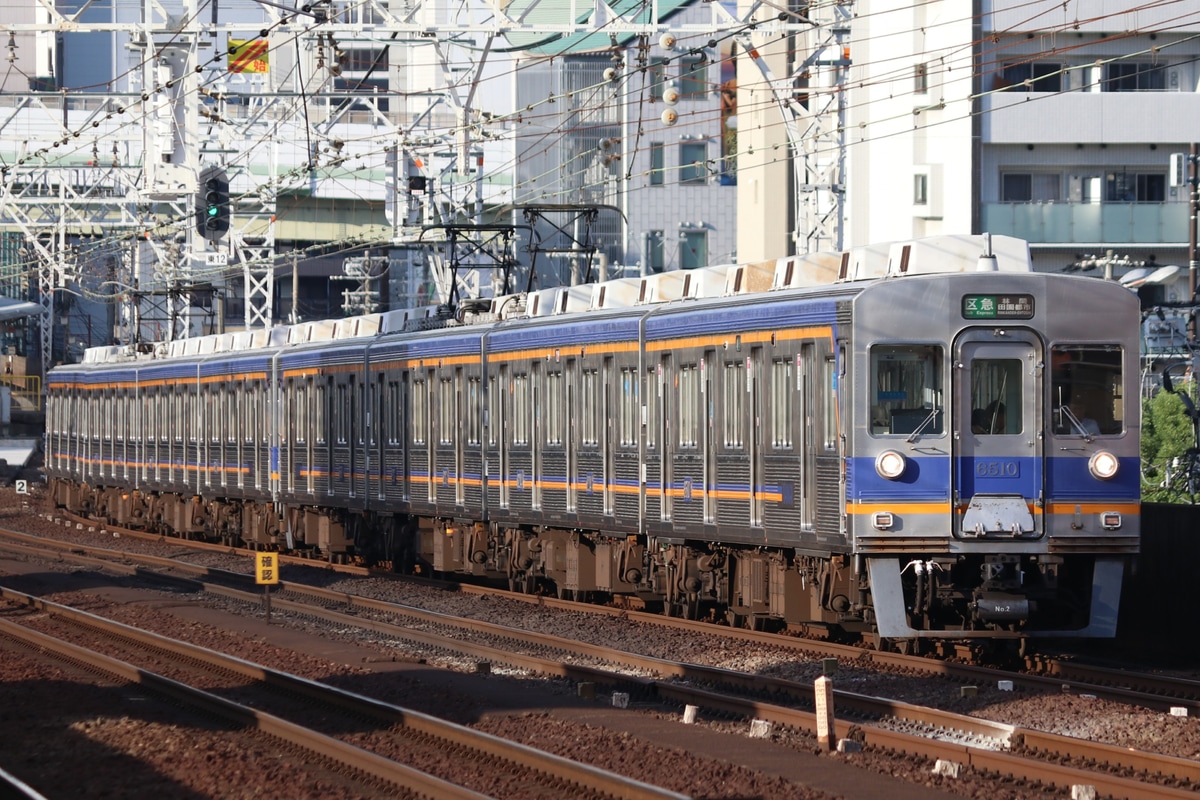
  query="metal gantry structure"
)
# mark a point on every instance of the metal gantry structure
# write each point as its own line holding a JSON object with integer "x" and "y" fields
{"x": 122, "y": 166}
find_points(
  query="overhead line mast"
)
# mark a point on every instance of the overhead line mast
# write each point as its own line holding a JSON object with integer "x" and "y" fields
{"x": 183, "y": 113}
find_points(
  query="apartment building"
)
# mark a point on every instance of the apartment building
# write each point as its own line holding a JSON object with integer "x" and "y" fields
{"x": 1049, "y": 121}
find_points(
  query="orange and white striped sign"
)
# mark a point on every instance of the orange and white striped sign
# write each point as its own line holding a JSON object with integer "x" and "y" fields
{"x": 248, "y": 55}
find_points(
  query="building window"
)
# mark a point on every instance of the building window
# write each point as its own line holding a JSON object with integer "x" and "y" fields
{"x": 655, "y": 253}
{"x": 361, "y": 60}
{"x": 1126, "y": 77}
{"x": 657, "y": 163}
{"x": 1135, "y": 187}
{"x": 921, "y": 79}
{"x": 1031, "y": 76}
{"x": 693, "y": 78}
{"x": 920, "y": 189}
{"x": 656, "y": 74}
{"x": 692, "y": 169}
{"x": 693, "y": 250}
{"x": 376, "y": 87}
{"x": 1026, "y": 187}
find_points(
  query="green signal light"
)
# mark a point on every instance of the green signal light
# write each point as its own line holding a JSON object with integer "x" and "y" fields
{"x": 214, "y": 211}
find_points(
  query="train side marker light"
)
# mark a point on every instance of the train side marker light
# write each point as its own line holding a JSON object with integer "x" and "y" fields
{"x": 882, "y": 520}
{"x": 890, "y": 464}
{"x": 1103, "y": 465}
{"x": 1110, "y": 520}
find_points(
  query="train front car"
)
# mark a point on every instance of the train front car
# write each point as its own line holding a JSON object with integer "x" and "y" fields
{"x": 992, "y": 486}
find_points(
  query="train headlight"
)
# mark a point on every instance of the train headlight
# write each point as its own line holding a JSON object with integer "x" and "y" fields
{"x": 1103, "y": 465}
{"x": 890, "y": 464}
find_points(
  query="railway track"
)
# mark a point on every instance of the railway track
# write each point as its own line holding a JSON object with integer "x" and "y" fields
{"x": 875, "y": 722}
{"x": 1045, "y": 673}
{"x": 270, "y": 700}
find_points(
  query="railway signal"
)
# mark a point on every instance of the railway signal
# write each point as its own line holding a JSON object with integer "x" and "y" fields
{"x": 212, "y": 204}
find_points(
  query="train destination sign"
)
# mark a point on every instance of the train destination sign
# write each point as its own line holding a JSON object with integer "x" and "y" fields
{"x": 997, "y": 306}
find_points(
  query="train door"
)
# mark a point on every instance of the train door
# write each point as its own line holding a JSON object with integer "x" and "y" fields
{"x": 459, "y": 437}
{"x": 499, "y": 431}
{"x": 405, "y": 419}
{"x": 425, "y": 425}
{"x": 998, "y": 471}
{"x": 379, "y": 416}
{"x": 537, "y": 440}
{"x": 570, "y": 422}
{"x": 667, "y": 398}
{"x": 755, "y": 438}
{"x": 608, "y": 442}
{"x": 710, "y": 475}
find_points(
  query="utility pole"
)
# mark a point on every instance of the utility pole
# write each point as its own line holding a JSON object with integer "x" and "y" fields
{"x": 1194, "y": 199}
{"x": 1184, "y": 173}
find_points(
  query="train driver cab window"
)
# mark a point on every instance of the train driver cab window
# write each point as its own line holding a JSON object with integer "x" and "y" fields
{"x": 907, "y": 395}
{"x": 1086, "y": 394}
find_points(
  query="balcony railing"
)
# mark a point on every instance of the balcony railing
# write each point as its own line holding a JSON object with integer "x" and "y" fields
{"x": 1089, "y": 223}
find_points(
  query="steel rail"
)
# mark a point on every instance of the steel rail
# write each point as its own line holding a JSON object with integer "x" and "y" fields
{"x": 377, "y": 767}
{"x": 556, "y": 767}
{"x": 1036, "y": 741}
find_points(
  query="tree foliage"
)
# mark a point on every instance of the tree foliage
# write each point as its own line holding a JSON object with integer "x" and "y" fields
{"x": 1167, "y": 435}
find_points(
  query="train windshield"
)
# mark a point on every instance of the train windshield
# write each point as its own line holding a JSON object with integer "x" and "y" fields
{"x": 906, "y": 389}
{"x": 1086, "y": 393}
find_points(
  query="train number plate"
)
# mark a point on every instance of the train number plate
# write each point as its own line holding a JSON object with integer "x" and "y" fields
{"x": 997, "y": 468}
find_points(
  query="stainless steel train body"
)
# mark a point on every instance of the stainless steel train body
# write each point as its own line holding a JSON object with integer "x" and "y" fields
{"x": 904, "y": 457}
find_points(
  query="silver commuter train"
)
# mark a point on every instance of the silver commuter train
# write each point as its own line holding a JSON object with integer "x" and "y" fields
{"x": 900, "y": 443}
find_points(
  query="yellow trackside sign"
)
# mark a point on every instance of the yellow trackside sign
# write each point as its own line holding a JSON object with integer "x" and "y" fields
{"x": 266, "y": 568}
{"x": 248, "y": 55}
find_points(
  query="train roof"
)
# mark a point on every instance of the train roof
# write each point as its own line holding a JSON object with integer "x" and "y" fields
{"x": 607, "y": 304}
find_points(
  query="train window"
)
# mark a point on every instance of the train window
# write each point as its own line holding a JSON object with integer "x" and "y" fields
{"x": 653, "y": 392}
{"x": 420, "y": 411}
{"x": 318, "y": 410}
{"x": 996, "y": 396}
{"x": 781, "y": 404}
{"x": 734, "y": 408}
{"x": 520, "y": 408}
{"x": 554, "y": 408}
{"x": 231, "y": 414}
{"x": 304, "y": 410}
{"x": 247, "y": 412}
{"x": 906, "y": 389}
{"x": 474, "y": 406}
{"x": 689, "y": 405}
{"x": 492, "y": 420}
{"x": 343, "y": 413}
{"x": 447, "y": 419}
{"x": 630, "y": 409}
{"x": 589, "y": 419}
{"x": 1086, "y": 389}
{"x": 829, "y": 418}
